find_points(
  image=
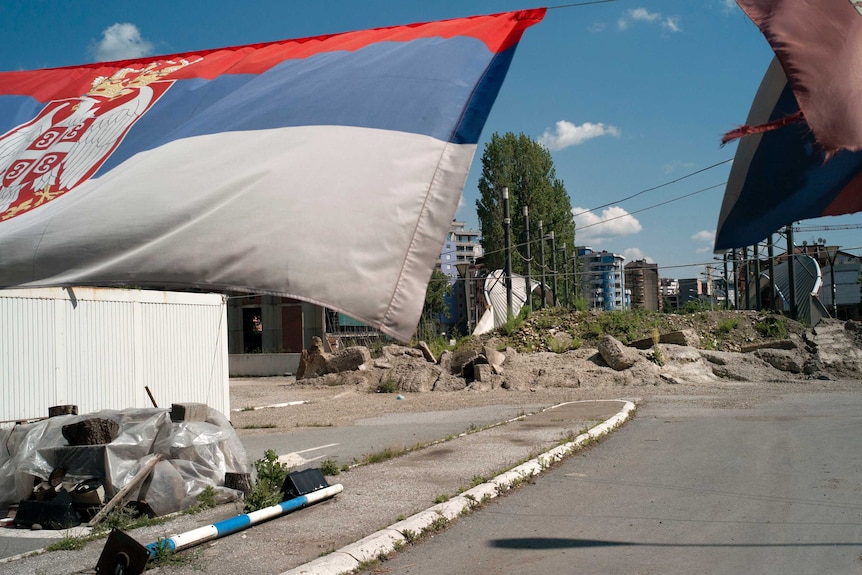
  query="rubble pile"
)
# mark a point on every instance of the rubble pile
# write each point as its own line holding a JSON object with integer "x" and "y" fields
{"x": 829, "y": 351}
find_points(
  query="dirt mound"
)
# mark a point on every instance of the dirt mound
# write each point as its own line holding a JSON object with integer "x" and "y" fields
{"x": 594, "y": 350}
{"x": 720, "y": 330}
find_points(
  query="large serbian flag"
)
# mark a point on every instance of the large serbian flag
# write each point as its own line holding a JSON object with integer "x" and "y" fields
{"x": 800, "y": 155}
{"x": 326, "y": 169}
{"x": 781, "y": 176}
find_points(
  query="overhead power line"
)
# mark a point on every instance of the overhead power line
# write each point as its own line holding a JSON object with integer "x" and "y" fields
{"x": 834, "y": 227}
{"x": 653, "y": 206}
{"x": 578, "y": 4}
{"x": 681, "y": 178}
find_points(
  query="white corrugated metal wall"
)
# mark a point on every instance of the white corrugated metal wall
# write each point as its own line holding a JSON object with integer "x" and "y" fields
{"x": 99, "y": 348}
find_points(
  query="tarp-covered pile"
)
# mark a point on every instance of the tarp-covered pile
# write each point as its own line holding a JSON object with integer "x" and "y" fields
{"x": 194, "y": 455}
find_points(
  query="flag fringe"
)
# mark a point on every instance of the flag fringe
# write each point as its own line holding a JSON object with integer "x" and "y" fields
{"x": 769, "y": 126}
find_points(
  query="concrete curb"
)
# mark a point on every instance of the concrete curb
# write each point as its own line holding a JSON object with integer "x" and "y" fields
{"x": 392, "y": 538}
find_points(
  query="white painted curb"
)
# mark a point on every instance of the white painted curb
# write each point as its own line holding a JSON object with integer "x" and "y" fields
{"x": 386, "y": 540}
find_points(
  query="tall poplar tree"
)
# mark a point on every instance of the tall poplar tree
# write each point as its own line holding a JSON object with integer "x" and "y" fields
{"x": 526, "y": 168}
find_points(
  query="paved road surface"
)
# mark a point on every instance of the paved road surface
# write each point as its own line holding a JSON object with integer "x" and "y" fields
{"x": 772, "y": 489}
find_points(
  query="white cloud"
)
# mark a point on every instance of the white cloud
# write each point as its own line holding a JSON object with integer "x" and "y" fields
{"x": 567, "y": 134}
{"x": 598, "y": 27}
{"x": 612, "y": 222}
{"x": 676, "y": 166}
{"x": 633, "y": 254}
{"x": 121, "y": 42}
{"x": 704, "y": 236}
{"x": 729, "y": 5}
{"x": 669, "y": 23}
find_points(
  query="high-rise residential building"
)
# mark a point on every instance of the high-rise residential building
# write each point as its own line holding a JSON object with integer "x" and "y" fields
{"x": 601, "y": 279}
{"x": 669, "y": 293}
{"x": 642, "y": 281}
{"x": 461, "y": 248}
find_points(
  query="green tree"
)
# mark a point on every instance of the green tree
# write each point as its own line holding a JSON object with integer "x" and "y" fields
{"x": 526, "y": 168}
{"x": 434, "y": 307}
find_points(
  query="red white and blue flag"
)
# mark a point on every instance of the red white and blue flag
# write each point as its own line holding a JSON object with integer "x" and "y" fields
{"x": 326, "y": 169}
{"x": 800, "y": 155}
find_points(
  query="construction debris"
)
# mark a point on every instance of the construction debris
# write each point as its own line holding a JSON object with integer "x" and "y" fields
{"x": 71, "y": 469}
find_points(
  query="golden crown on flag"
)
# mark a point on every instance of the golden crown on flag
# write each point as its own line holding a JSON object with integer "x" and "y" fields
{"x": 126, "y": 79}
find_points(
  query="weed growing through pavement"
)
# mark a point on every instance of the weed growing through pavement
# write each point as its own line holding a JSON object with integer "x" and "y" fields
{"x": 69, "y": 543}
{"x": 439, "y": 524}
{"x": 266, "y": 490}
{"x": 329, "y": 467}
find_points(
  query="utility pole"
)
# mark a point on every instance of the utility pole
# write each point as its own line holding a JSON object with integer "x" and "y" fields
{"x": 565, "y": 274}
{"x": 735, "y": 268}
{"x": 770, "y": 253}
{"x": 758, "y": 302}
{"x": 529, "y": 296}
{"x": 791, "y": 272}
{"x": 747, "y": 275}
{"x": 575, "y": 271}
{"x": 556, "y": 300}
{"x": 832, "y": 254}
{"x": 507, "y": 227}
{"x": 542, "y": 258}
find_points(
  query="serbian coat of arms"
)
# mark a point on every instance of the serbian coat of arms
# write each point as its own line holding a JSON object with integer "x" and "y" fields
{"x": 70, "y": 139}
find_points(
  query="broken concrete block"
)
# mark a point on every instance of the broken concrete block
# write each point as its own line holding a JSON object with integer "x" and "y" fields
{"x": 687, "y": 337}
{"x": 348, "y": 360}
{"x": 189, "y": 412}
{"x": 615, "y": 354}
{"x": 62, "y": 410}
{"x": 95, "y": 431}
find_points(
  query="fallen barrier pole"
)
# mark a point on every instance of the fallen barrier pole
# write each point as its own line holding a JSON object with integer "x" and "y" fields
{"x": 240, "y": 522}
{"x": 123, "y": 555}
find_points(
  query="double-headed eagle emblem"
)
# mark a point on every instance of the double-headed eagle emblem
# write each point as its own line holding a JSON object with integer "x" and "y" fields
{"x": 70, "y": 139}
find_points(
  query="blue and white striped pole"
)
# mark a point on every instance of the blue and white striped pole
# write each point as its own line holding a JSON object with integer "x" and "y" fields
{"x": 240, "y": 522}
{"x": 123, "y": 555}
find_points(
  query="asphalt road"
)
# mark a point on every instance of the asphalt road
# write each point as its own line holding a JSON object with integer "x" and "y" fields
{"x": 369, "y": 436}
{"x": 775, "y": 488}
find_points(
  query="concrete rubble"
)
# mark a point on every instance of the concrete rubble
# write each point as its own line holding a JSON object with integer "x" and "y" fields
{"x": 831, "y": 350}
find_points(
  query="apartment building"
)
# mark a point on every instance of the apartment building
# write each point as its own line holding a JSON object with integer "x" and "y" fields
{"x": 642, "y": 281}
{"x": 601, "y": 279}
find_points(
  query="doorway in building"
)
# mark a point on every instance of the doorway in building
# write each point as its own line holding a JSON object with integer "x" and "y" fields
{"x": 252, "y": 330}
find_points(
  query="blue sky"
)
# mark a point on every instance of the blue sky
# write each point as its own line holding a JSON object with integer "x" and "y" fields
{"x": 628, "y": 95}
